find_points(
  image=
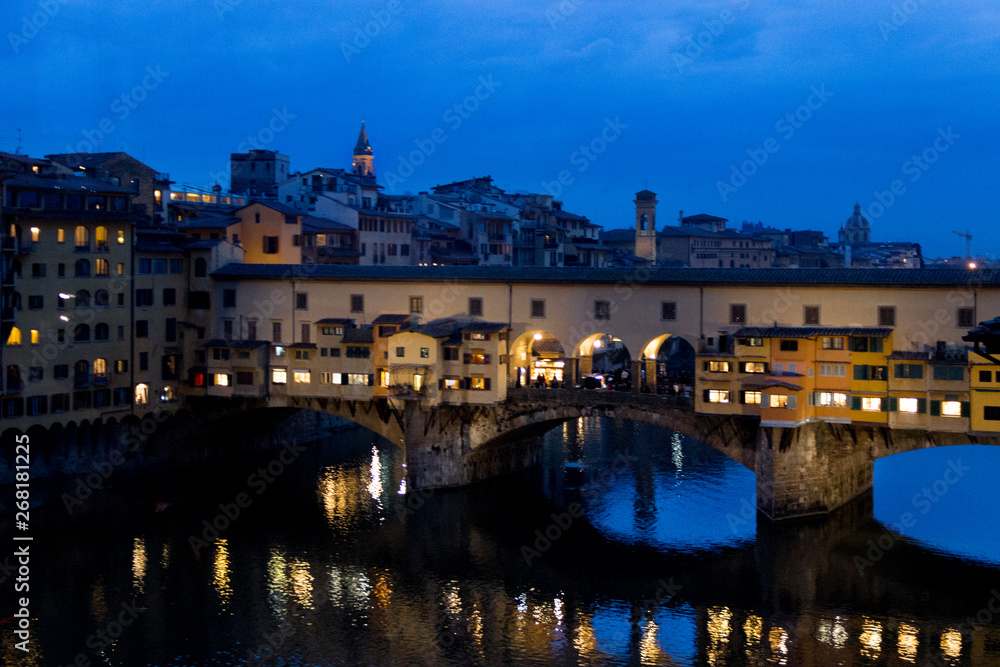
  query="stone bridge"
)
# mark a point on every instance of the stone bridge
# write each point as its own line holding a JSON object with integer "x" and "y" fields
{"x": 814, "y": 468}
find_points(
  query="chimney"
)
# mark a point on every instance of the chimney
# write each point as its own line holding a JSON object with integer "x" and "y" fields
{"x": 680, "y": 217}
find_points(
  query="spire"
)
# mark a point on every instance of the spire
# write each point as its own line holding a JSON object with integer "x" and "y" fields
{"x": 363, "y": 147}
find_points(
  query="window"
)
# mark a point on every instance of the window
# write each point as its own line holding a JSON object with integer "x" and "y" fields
{"x": 951, "y": 408}
{"x": 60, "y": 371}
{"x": 912, "y": 371}
{"x": 121, "y": 366}
{"x": 306, "y": 331}
{"x": 887, "y": 316}
{"x": 82, "y": 238}
{"x": 37, "y": 270}
{"x": 475, "y": 306}
{"x": 170, "y": 330}
{"x": 302, "y": 354}
{"x": 751, "y": 397}
{"x": 910, "y": 405}
{"x": 102, "y": 298}
{"x": 753, "y": 367}
{"x": 788, "y": 345}
{"x": 859, "y": 344}
{"x": 142, "y": 328}
{"x": 425, "y": 353}
{"x": 404, "y": 249}
{"x": 810, "y": 315}
{"x": 101, "y": 238}
{"x": 176, "y": 266}
{"x": 357, "y": 352}
{"x": 60, "y": 235}
{"x": 832, "y": 343}
{"x": 159, "y": 266}
{"x": 121, "y": 269}
{"x": 949, "y": 373}
{"x": 121, "y": 332}
{"x": 737, "y": 313}
{"x": 332, "y": 331}
{"x": 985, "y": 376}
{"x": 169, "y": 296}
{"x": 302, "y": 376}
{"x": 81, "y": 333}
{"x": 244, "y": 378}
{"x": 221, "y": 353}
{"x": 966, "y": 317}
{"x": 220, "y": 380}
{"x": 200, "y": 268}
{"x": 991, "y": 412}
{"x": 357, "y": 303}
{"x": 751, "y": 342}
{"x": 782, "y": 401}
{"x": 145, "y": 266}
{"x": 602, "y": 310}
{"x": 61, "y": 270}
{"x": 144, "y": 361}
{"x": 199, "y": 300}
{"x": 538, "y": 307}
{"x": 716, "y": 396}
{"x": 357, "y": 379}
{"x": 871, "y": 403}
{"x": 36, "y": 302}
{"x": 36, "y": 373}
{"x": 121, "y": 237}
{"x": 334, "y": 351}
{"x": 275, "y": 332}
{"x": 228, "y": 298}
{"x": 450, "y": 353}
{"x": 141, "y": 394}
{"x": 832, "y": 370}
{"x": 717, "y": 366}
{"x": 270, "y": 245}
{"x": 400, "y": 351}
{"x": 326, "y": 377}
{"x": 450, "y": 383}
{"x": 82, "y": 268}
{"x": 668, "y": 311}
{"x": 829, "y": 399}
{"x": 416, "y": 304}
{"x": 143, "y": 297}
{"x": 102, "y": 331}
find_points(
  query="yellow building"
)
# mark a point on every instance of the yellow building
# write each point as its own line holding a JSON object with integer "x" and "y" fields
{"x": 869, "y": 350}
{"x": 984, "y": 383}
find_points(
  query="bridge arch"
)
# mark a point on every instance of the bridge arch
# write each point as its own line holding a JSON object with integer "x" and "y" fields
{"x": 667, "y": 360}
{"x": 538, "y": 353}
{"x": 603, "y": 353}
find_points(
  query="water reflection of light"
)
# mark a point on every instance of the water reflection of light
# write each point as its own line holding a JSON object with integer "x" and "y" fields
{"x": 334, "y": 491}
{"x": 98, "y": 604}
{"x": 751, "y": 628}
{"x": 951, "y": 644}
{"x": 871, "y": 638}
{"x": 907, "y": 643}
{"x": 584, "y": 640}
{"x": 832, "y": 632}
{"x": 301, "y": 582}
{"x": 718, "y": 627}
{"x": 557, "y": 609}
{"x": 778, "y": 639}
{"x": 452, "y": 599}
{"x": 677, "y": 454}
{"x": 649, "y": 646}
{"x": 139, "y": 563}
{"x": 402, "y": 487}
{"x": 375, "y": 485}
{"x": 277, "y": 581}
{"x": 220, "y": 572}
{"x": 165, "y": 556}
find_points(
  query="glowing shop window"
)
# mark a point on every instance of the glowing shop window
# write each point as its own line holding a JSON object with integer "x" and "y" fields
{"x": 908, "y": 405}
{"x": 718, "y": 396}
{"x": 951, "y": 409}
{"x": 279, "y": 376}
{"x": 302, "y": 375}
{"x": 870, "y": 404}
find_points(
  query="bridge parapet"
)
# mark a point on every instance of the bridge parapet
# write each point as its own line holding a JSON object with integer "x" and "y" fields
{"x": 592, "y": 397}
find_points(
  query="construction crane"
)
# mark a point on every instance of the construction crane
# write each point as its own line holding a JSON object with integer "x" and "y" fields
{"x": 968, "y": 241}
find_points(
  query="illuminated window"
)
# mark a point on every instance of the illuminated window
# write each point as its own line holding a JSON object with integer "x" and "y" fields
{"x": 451, "y": 383}
{"x": 327, "y": 378}
{"x": 60, "y": 236}
{"x": 198, "y": 380}
{"x": 101, "y": 267}
{"x": 751, "y": 342}
{"x": 751, "y": 397}
{"x": 832, "y": 343}
{"x": 34, "y": 234}
{"x": 82, "y": 237}
{"x": 753, "y": 367}
{"x": 718, "y": 396}
{"x": 951, "y": 409}
{"x": 121, "y": 236}
{"x": 141, "y": 394}
{"x": 779, "y": 401}
{"x": 908, "y": 405}
{"x": 476, "y": 357}
{"x": 302, "y": 375}
{"x": 279, "y": 376}
{"x": 168, "y": 394}
{"x": 871, "y": 404}
{"x": 101, "y": 238}
{"x": 221, "y": 380}
{"x": 357, "y": 378}
{"x": 425, "y": 353}
{"x": 830, "y": 399}
{"x": 717, "y": 366}
{"x": 478, "y": 383}
{"x": 383, "y": 378}
{"x": 34, "y": 336}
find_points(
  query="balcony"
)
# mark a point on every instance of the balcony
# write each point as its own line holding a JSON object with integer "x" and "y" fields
{"x": 407, "y": 392}
{"x": 81, "y": 380}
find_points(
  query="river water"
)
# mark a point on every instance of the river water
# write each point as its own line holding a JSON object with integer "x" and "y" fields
{"x": 628, "y": 545}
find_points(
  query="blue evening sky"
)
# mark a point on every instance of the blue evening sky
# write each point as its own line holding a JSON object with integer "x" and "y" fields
{"x": 668, "y": 96}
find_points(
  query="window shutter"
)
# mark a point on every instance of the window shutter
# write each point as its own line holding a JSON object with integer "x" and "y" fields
{"x": 935, "y": 408}
{"x": 345, "y": 378}
{"x": 704, "y": 366}
{"x": 791, "y": 402}
{"x": 441, "y": 384}
{"x": 893, "y": 404}
{"x": 855, "y": 402}
{"x": 229, "y": 379}
{"x": 371, "y": 380}
{"x": 884, "y": 405}
{"x": 922, "y": 406}
{"x": 486, "y": 386}
{"x": 918, "y": 371}
{"x": 486, "y": 358}
{"x": 467, "y": 358}
{"x": 860, "y": 372}
{"x": 743, "y": 398}
{"x": 466, "y": 336}
{"x": 899, "y": 371}
{"x": 811, "y": 400}
{"x": 705, "y": 395}
{"x": 468, "y": 383}
{"x": 966, "y": 409}
{"x": 210, "y": 379}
